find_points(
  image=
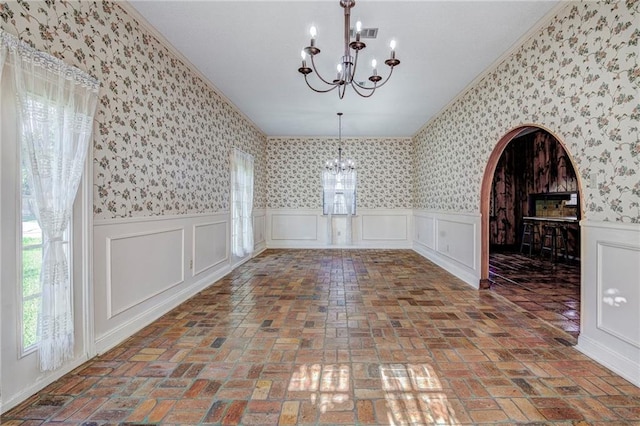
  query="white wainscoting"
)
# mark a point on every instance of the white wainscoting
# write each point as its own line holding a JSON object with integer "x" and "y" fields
{"x": 307, "y": 228}
{"x": 259, "y": 230}
{"x": 206, "y": 255}
{"x": 136, "y": 273}
{"x": 610, "y": 296}
{"x": 450, "y": 240}
{"x": 140, "y": 264}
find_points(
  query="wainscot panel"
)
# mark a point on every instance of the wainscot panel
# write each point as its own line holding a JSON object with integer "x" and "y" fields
{"x": 210, "y": 247}
{"x": 610, "y": 295}
{"x": 259, "y": 230}
{"x": 371, "y": 228}
{"x": 450, "y": 240}
{"x": 140, "y": 264}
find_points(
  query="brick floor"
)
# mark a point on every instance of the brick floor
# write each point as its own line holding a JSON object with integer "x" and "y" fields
{"x": 340, "y": 337}
{"x": 548, "y": 290}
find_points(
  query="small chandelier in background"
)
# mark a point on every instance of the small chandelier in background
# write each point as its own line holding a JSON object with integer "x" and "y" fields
{"x": 348, "y": 64}
{"x": 339, "y": 166}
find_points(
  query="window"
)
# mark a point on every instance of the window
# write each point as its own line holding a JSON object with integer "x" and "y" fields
{"x": 241, "y": 203}
{"x": 339, "y": 191}
{"x": 31, "y": 266}
{"x": 31, "y": 250}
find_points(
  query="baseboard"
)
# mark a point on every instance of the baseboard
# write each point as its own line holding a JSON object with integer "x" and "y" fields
{"x": 41, "y": 384}
{"x": 387, "y": 245}
{"x": 446, "y": 264}
{"x": 124, "y": 331}
{"x": 625, "y": 367}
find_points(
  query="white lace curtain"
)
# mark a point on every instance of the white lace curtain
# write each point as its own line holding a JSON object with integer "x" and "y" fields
{"x": 56, "y": 104}
{"x": 241, "y": 203}
{"x": 343, "y": 186}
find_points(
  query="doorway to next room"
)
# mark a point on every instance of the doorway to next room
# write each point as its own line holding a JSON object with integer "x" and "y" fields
{"x": 534, "y": 234}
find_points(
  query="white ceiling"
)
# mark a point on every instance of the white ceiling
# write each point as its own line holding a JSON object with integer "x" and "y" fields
{"x": 250, "y": 50}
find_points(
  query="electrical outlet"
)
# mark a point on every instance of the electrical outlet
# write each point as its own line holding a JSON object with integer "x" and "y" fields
{"x": 593, "y": 178}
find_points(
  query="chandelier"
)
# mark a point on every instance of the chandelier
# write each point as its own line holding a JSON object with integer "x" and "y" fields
{"x": 348, "y": 65}
{"x": 338, "y": 166}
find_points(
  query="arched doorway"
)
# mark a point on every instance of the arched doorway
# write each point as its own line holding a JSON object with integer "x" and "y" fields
{"x": 529, "y": 141}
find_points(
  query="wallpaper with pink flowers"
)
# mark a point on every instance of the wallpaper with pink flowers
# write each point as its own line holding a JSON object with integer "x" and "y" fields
{"x": 579, "y": 77}
{"x": 384, "y": 167}
{"x": 162, "y": 135}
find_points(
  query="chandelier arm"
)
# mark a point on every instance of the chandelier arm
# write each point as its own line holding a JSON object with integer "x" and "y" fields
{"x": 313, "y": 64}
{"x": 342, "y": 90}
{"x": 319, "y": 91}
{"x": 376, "y": 85}
{"x": 355, "y": 65}
{"x": 387, "y": 79}
{"x": 364, "y": 95}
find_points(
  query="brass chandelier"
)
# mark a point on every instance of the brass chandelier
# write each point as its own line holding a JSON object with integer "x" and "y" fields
{"x": 349, "y": 62}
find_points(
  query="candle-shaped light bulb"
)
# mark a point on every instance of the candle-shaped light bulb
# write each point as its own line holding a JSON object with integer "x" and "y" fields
{"x": 392, "y": 45}
{"x": 313, "y": 31}
{"x": 303, "y": 55}
{"x": 358, "y": 26}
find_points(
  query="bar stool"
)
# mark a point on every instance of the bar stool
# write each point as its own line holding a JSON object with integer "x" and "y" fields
{"x": 528, "y": 237}
{"x": 554, "y": 239}
{"x": 563, "y": 239}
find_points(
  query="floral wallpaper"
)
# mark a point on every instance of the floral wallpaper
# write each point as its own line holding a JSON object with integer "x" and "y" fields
{"x": 163, "y": 135}
{"x": 579, "y": 77}
{"x": 384, "y": 166}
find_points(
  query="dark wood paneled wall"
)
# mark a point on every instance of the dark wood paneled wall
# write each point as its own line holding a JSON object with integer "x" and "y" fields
{"x": 531, "y": 164}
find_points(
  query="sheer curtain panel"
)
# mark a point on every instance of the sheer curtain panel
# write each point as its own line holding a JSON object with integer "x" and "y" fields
{"x": 56, "y": 104}
{"x": 349, "y": 183}
{"x": 329, "y": 181}
{"x": 241, "y": 203}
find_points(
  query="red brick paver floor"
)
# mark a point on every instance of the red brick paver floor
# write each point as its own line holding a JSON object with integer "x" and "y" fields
{"x": 367, "y": 337}
{"x": 548, "y": 290}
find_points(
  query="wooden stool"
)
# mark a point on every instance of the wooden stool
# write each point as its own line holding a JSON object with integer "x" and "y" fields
{"x": 528, "y": 237}
{"x": 554, "y": 239}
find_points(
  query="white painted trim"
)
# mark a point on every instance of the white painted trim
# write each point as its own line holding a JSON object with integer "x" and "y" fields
{"x": 41, "y": 383}
{"x": 446, "y": 263}
{"x": 600, "y": 290}
{"x": 138, "y": 219}
{"x": 621, "y": 226}
{"x": 110, "y": 312}
{"x": 535, "y": 29}
{"x": 118, "y": 335}
{"x": 193, "y": 246}
{"x": 443, "y": 213}
{"x": 87, "y": 257}
{"x": 406, "y": 223}
{"x": 388, "y": 245}
{"x": 262, "y": 216}
{"x": 315, "y": 216}
{"x": 625, "y": 367}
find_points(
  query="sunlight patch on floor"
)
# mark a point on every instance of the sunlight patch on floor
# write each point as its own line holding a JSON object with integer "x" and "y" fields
{"x": 328, "y": 384}
{"x": 414, "y": 395}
